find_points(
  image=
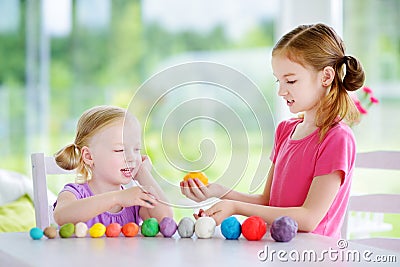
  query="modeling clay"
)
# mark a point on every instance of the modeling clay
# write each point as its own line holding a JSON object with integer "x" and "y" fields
{"x": 67, "y": 230}
{"x": 199, "y": 175}
{"x": 254, "y": 228}
{"x": 283, "y": 229}
{"x": 81, "y": 229}
{"x": 36, "y": 233}
{"x": 113, "y": 230}
{"x": 150, "y": 227}
{"x": 50, "y": 232}
{"x": 168, "y": 227}
{"x": 97, "y": 230}
{"x": 231, "y": 228}
{"x": 130, "y": 229}
{"x": 204, "y": 227}
{"x": 186, "y": 227}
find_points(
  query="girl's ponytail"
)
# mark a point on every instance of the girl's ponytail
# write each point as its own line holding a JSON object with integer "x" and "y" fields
{"x": 355, "y": 76}
{"x": 68, "y": 157}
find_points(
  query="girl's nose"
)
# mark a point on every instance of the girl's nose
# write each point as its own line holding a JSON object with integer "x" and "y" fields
{"x": 129, "y": 156}
{"x": 131, "y": 159}
{"x": 282, "y": 91}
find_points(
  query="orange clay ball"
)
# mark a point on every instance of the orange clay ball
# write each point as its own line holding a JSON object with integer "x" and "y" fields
{"x": 130, "y": 229}
{"x": 198, "y": 175}
{"x": 113, "y": 230}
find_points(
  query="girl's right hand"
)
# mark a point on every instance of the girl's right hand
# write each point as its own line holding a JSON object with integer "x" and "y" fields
{"x": 135, "y": 196}
{"x": 197, "y": 191}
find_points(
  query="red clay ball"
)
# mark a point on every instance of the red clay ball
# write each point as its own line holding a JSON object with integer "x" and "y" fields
{"x": 254, "y": 228}
{"x": 113, "y": 230}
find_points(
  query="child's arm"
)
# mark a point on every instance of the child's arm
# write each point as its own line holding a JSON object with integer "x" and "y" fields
{"x": 145, "y": 179}
{"x": 72, "y": 210}
{"x": 195, "y": 190}
{"x": 323, "y": 191}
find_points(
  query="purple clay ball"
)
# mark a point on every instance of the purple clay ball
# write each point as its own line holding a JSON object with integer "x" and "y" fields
{"x": 283, "y": 229}
{"x": 168, "y": 227}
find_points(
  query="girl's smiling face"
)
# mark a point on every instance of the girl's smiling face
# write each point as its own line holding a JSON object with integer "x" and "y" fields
{"x": 115, "y": 152}
{"x": 300, "y": 87}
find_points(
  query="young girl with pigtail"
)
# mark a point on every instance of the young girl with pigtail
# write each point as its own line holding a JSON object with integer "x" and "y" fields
{"x": 313, "y": 155}
{"x": 106, "y": 156}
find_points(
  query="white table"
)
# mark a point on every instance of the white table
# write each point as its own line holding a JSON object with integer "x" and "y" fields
{"x": 18, "y": 249}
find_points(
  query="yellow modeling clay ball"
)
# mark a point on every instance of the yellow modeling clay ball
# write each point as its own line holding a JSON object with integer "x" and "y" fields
{"x": 199, "y": 175}
{"x": 97, "y": 230}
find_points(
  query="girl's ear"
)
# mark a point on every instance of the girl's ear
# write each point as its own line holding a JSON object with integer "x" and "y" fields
{"x": 87, "y": 156}
{"x": 328, "y": 74}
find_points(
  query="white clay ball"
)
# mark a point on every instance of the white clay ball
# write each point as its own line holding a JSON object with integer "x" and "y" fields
{"x": 81, "y": 229}
{"x": 204, "y": 227}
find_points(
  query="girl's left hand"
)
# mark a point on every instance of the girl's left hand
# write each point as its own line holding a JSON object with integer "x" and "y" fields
{"x": 144, "y": 168}
{"x": 221, "y": 210}
{"x": 197, "y": 191}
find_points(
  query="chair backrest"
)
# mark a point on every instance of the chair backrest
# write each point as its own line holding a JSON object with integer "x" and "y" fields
{"x": 385, "y": 160}
{"x": 41, "y": 167}
{"x": 374, "y": 203}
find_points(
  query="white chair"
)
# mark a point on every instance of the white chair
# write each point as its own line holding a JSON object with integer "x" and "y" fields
{"x": 371, "y": 207}
{"x": 41, "y": 167}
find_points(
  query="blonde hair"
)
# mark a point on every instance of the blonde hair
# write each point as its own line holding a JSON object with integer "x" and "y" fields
{"x": 90, "y": 123}
{"x": 318, "y": 46}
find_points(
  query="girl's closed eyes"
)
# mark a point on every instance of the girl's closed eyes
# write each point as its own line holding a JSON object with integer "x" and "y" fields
{"x": 136, "y": 150}
{"x": 289, "y": 82}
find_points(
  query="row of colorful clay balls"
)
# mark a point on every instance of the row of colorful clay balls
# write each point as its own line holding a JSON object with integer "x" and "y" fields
{"x": 283, "y": 229}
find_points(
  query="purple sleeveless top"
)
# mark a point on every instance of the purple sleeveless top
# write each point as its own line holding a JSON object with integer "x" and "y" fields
{"x": 127, "y": 214}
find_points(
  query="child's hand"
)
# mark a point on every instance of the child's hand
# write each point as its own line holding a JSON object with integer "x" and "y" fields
{"x": 145, "y": 166}
{"x": 146, "y": 163}
{"x": 200, "y": 214}
{"x": 221, "y": 210}
{"x": 135, "y": 196}
{"x": 197, "y": 191}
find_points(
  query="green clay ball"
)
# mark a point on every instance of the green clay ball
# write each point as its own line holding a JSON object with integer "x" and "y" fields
{"x": 150, "y": 227}
{"x": 67, "y": 230}
{"x": 36, "y": 233}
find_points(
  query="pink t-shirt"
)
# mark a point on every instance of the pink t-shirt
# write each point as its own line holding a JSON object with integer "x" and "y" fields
{"x": 297, "y": 162}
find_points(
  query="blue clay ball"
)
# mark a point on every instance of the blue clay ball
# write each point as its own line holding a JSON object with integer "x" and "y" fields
{"x": 231, "y": 228}
{"x": 36, "y": 233}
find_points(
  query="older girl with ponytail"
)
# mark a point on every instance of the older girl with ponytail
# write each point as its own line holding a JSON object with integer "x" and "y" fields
{"x": 313, "y": 155}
